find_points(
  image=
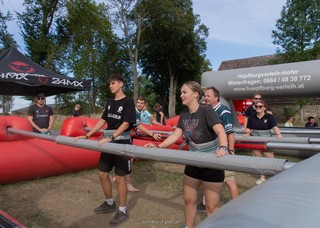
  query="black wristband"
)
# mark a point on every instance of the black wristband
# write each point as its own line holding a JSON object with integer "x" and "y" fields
{"x": 86, "y": 136}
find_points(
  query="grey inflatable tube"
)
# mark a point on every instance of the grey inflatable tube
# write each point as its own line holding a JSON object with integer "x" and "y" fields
{"x": 289, "y": 199}
{"x": 247, "y": 164}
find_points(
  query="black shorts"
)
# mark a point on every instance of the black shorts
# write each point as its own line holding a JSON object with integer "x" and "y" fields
{"x": 204, "y": 174}
{"x": 122, "y": 164}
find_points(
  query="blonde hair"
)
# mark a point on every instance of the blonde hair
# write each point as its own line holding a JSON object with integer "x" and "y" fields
{"x": 195, "y": 87}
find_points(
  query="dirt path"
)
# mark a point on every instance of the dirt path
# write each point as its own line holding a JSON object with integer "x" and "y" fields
{"x": 68, "y": 200}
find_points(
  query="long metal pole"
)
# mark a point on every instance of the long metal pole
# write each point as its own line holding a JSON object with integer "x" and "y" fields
{"x": 247, "y": 164}
{"x": 291, "y": 130}
{"x": 304, "y": 140}
{"x": 265, "y": 166}
{"x": 31, "y": 134}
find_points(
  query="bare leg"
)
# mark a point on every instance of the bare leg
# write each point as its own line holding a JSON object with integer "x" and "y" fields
{"x": 105, "y": 184}
{"x": 233, "y": 188}
{"x": 229, "y": 180}
{"x": 212, "y": 193}
{"x": 130, "y": 187}
{"x": 258, "y": 153}
{"x": 190, "y": 189}
{"x": 122, "y": 191}
{"x": 268, "y": 154}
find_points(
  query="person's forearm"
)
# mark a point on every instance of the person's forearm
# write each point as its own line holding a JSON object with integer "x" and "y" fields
{"x": 276, "y": 130}
{"x": 171, "y": 139}
{"x": 96, "y": 128}
{"x": 144, "y": 130}
{"x": 222, "y": 136}
{"x": 231, "y": 141}
{"x": 51, "y": 119}
{"x": 245, "y": 122}
{"x": 161, "y": 117}
{"x": 33, "y": 124}
{"x": 122, "y": 128}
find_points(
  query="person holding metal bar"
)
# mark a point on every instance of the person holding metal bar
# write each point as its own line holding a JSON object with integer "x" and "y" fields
{"x": 261, "y": 125}
{"x": 205, "y": 133}
{"x": 251, "y": 110}
{"x": 212, "y": 98}
{"x": 41, "y": 116}
{"x": 142, "y": 116}
{"x": 119, "y": 114}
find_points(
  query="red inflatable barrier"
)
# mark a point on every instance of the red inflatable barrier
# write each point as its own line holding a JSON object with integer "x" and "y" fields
{"x": 173, "y": 121}
{"x": 33, "y": 158}
{"x": 251, "y": 146}
{"x": 24, "y": 158}
{"x": 13, "y": 122}
{"x": 75, "y": 126}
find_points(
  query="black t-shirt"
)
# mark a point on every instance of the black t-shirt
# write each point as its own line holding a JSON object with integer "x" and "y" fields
{"x": 40, "y": 116}
{"x": 75, "y": 113}
{"x": 158, "y": 116}
{"x": 267, "y": 122}
{"x": 308, "y": 125}
{"x": 118, "y": 111}
{"x": 198, "y": 126}
{"x": 250, "y": 111}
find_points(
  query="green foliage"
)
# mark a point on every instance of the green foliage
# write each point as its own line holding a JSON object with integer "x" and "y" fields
{"x": 93, "y": 51}
{"x": 75, "y": 37}
{"x": 303, "y": 101}
{"x": 172, "y": 45}
{"x": 6, "y": 41}
{"x": 289, "y": 111}
{"x": 38, "y": 23}
{"x": 298, "y": 31}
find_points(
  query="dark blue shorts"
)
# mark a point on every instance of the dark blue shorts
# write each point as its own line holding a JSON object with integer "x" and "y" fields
{"x": 122, "y": 164}
{"x": 204, "y": 174}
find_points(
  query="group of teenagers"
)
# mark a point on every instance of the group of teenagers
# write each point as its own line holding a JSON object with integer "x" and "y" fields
{"x": 206, "y": 128}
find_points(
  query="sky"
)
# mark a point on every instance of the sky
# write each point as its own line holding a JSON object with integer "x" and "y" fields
{"x": 238, "y": 29}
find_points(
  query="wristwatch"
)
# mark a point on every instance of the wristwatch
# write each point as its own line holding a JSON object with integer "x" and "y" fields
{"x": 111, "y": 137}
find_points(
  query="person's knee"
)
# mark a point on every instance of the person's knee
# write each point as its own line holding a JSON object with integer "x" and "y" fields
{"x": 120, "y": 179}
{"x": 103, "y": 175}
{"x": 189, "y": 200}
{"x": 212, "y": 207}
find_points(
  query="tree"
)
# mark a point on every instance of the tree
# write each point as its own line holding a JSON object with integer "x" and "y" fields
{"x": 92, "y": 50}
{"x": 298, "y": 34}
{"x": 302, "y": 102}
{"x": 129, "y": 16}
{"x": 6, "y": 41}
{"x": 172, "y": 47}
{"x": 38, "y": 23}
{"x": 298, "y": 31}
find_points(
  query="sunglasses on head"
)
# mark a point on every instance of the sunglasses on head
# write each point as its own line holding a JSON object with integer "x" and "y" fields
{"x": 40, "y": 98}
{"x": 257, "y": 98}
{"x": 259, "y": 106}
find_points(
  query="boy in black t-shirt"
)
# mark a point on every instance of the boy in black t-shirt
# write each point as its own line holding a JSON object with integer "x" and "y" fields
{"x": 120, "y": 115}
